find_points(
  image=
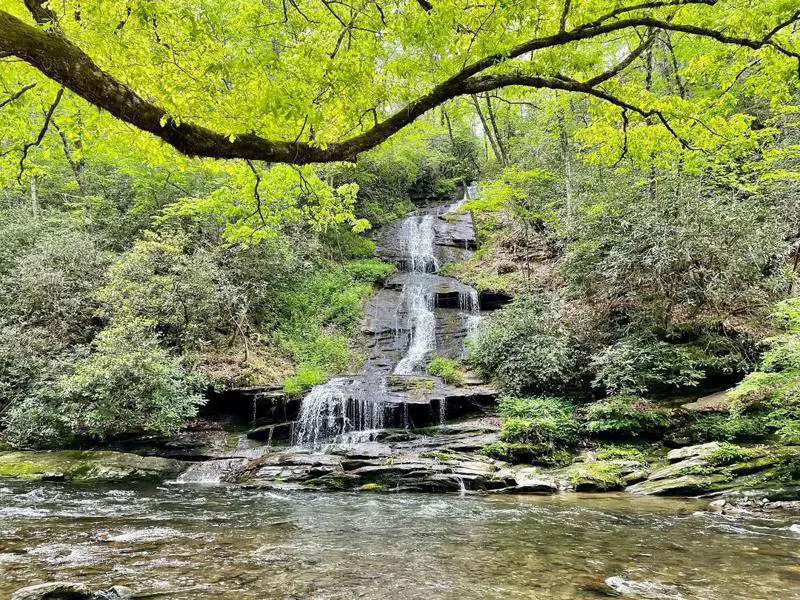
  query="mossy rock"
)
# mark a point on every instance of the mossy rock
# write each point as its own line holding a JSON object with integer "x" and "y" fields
{"x": 87, "y": 466}
{"x": 595, "y": 476}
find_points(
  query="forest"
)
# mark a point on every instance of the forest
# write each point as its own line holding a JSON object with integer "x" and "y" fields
{"x": 195, "y": 194}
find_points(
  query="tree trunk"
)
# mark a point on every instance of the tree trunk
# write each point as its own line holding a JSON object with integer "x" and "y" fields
{"x": 487, "y": 130}
{"x": 497, "y": 136}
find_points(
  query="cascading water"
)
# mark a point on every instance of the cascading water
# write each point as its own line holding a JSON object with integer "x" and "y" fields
{"x": 418, "y": 237}
{"x": 337, "y": 408}
{"x": 421, "y": 323}
{"x": 353, "y": 410}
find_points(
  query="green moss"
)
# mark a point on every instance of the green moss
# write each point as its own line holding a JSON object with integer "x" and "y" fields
{"x": 595, "y": 476}
{"x": 728, "y": 453}
{"x": 371, "y": 487}
{"x": 517, "y": 453}
{"x": 622, "y": 452}
{"x": 441, "y": 455}
{"x": 86, "y": 466}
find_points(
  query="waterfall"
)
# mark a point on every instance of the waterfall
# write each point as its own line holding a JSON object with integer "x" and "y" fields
{"x": 336, "y": 408}
{"x": 418, "y": 237}
{"x": 421, "y": 323}
{"x": 352, "y": 410}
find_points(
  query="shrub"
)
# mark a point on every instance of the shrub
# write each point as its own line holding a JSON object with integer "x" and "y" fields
{"x": 621, "y": 452}
{"x": 369, "y": 269}
{"x": 730, "y": 428}
{"x": 544, "y": 421}
{"x": 526, "y": 453}
{"x": 525, "y": 348}
{"x": 447, "y": 369}
{"x": 305, "y": 378}
{"x": 641, "y": 364}
{"x": 128, "y": 383}
{"x": 625, "y": 416}
{"x": 728, "y": 453}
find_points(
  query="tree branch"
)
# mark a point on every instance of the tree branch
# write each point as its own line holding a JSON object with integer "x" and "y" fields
{"x": 64, "y": 62}
{"x": 17, "y": 94}
{"x": 42, "y": 132}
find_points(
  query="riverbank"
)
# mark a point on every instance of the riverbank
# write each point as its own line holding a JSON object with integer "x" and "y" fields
{"x": 447, "y": 459}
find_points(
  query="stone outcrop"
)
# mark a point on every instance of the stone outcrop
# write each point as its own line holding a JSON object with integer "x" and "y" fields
{"x": 89, "y": 466}
{"x": 716, "y": 470}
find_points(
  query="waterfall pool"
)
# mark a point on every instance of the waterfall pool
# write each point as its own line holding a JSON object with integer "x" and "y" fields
{"x": 189, "y": 541}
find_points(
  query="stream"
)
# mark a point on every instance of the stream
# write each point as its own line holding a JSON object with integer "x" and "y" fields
{"x": 187, "y": 541}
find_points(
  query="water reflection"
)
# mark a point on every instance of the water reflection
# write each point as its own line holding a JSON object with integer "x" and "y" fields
{"x": 223, "y": 542}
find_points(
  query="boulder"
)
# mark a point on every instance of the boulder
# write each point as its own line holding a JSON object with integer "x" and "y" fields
{"x": 56, "y": 590}
{"x": 685, "y": 485}
{"x": 700, "y": 451}
{"x": 719, "y": 402}
{"x": 532, "y": 481}
{"x": 594, "y": 476}
{"x": 88, "y": 466}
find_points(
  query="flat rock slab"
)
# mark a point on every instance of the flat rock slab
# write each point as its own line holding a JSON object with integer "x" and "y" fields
{"x": 686, "y": 485}
{"x": 88, "y": 466}
{"x": 57, "y": 590}
{"x": 719, "y": 402}
{"x": 700, "y": 451}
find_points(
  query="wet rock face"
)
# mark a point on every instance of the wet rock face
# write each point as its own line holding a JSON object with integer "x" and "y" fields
{"x": 437, "y": 459}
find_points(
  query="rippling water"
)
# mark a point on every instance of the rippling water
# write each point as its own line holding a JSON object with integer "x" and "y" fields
{"x": 186, "y": 542}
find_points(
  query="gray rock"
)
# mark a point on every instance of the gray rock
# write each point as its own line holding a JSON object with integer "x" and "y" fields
{"x": 57, "y": 590}
{"x": 686, "y": 485}
{"x": 700, "y": 450}
{"x": 533, "y": 481}
{"x": 719, "y": 402}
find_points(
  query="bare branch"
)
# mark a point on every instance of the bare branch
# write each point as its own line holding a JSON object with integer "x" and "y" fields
{"x": 42, "y": 132}
{"x": 256, "y": 193}
{"x": 17, "y": 94}
{"x": 562, "y": 27}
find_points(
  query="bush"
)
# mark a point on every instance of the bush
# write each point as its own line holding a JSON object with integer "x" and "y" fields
{"x": 625, "y": 416}
{"x": 447, "y": 369}
{"x": 524, "y": 347}
{"x": 305, "y": 378}
{"x": 369, "y": 269}
{"x": 128, "y": 383}
{"x": 643, "y": 364}
{"x": 527, "y": 453}
{"x": 543, "y": 421}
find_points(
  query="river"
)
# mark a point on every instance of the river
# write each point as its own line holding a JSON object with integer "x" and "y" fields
{"x": 187, "y": 541}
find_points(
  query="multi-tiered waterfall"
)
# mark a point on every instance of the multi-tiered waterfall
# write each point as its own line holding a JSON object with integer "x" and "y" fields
{"x": 417, "y": 313}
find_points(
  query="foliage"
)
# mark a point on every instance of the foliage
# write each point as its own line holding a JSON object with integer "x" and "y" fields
{"x": 446, "y": 368}
{"x": 305, "y": 378}
{"x": 636, "y": 365}
{"x": 539, "y": 420}
{"x": 369, "y": 270}
{"x": 625, "y": 416}
{"x": 524, "y": 347}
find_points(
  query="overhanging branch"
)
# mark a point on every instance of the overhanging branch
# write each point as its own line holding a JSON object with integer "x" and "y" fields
{"x": 64, "y": 62}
